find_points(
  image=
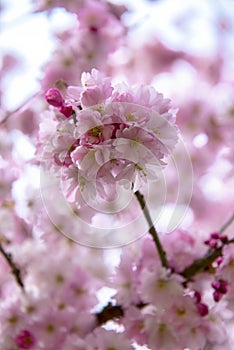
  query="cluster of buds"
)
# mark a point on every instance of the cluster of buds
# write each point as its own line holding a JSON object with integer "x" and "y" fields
{"x": 54, "y": 98}
{"x": 220, "y": 288}
{"x": 215, "y": 240}
{"x": 201, "y": 307}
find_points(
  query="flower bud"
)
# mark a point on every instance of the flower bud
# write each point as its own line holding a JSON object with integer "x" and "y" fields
{"x": 223, "y": 287}
{"x": 66, "y": 110}
{"x": 215, "y": 285}
{"x": 197, "y": 296}
{"x": 219, "y": 260}
{"x": 54, "y": 97}
{"x": 202, "y": 309}
{"x": 215, "y": 235}
{"x": 213, "y": 243}
{"x": 217, "y": 296}
{"x": 224, "y": 239}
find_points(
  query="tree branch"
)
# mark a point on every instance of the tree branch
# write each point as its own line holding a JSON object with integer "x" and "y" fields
{"x": 10, "y": 113}
{"x": 227, "y": 223}
{"x": 152, "y": 230}
{"x": 203, "y": 263}
{"x": 14, "y": 269}
{"x": 110, "y": 312}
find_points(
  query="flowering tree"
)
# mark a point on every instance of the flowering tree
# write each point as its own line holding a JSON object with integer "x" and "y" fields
{"x": 117, "y": 233}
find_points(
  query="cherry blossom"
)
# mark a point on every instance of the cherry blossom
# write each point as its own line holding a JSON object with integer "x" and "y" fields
{"x": 127, "y": 139}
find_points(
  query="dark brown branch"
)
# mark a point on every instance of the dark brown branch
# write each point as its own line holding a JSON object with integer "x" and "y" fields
{"x": 110, "y": 312}
{"x": 203, "y": 263}
{"x": 14, "y": 269}
{"x": 152, "y": 230}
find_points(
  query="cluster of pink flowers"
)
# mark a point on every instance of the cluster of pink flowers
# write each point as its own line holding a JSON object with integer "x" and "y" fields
{"x": 28, "y": 320}
{"x": 114, "y": 134}
{"x": 97, "y": 33}
{"x": 160, "y": 310}
{"x": 157, "y": 309}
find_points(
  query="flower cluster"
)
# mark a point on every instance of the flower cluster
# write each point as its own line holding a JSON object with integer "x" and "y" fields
{"x": 215, "y": 240}
{"x": 159, "y": 310}
{"x": 116, "y": 134}
{"x": 96, "y": 32}
{"x": 27, "y": 320}
{"x": 220, "y": 288}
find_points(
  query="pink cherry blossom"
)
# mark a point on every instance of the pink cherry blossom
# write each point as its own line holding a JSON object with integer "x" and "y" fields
{"x": 135, "y": 137}
{"x": 54, "y": 97}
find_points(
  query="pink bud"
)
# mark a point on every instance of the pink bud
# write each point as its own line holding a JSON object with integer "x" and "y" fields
{"x": 66, "y": 110}
{"x": 223, "y": 239}
{"x": 215, "y": 235}
{"x": 215, "y": 285}
{"x": 202, "y": 309}
{"x": 197, "y": 295}
{"x": 223, "y": 287}
{"x": 219, "y": 260}
{"x": 213, "y": 243}
{"x": 54, "y": 97}
{"x": 93, "y": 29}
{"x": 217, "y": 296}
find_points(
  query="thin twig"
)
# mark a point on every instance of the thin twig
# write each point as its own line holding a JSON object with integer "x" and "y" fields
{"x": 17, "y": 109}
{"x": 228, "y": 223}
{"x": 152, "y": 230}
{"x": 14, "y": 269}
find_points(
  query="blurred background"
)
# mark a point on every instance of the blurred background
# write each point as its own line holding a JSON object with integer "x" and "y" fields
{"x": 27, "y": 41}
{"x": 184, "y": 48}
